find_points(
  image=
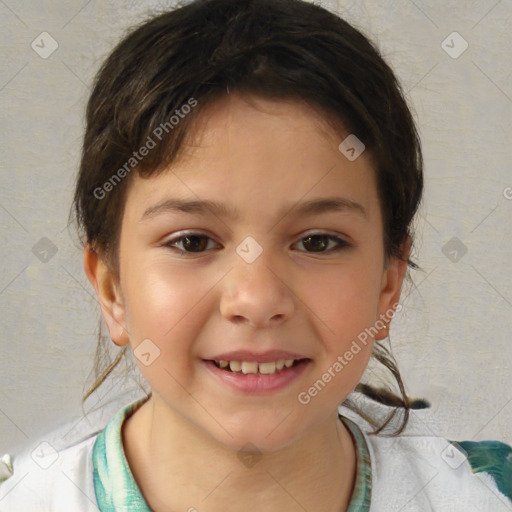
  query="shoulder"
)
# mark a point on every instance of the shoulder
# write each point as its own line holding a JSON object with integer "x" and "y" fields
{"x": 56, "y": 472}
{"x": 47, "y": 478}
{"x": 430, "y": 473}
{"x": 433, "y": 473}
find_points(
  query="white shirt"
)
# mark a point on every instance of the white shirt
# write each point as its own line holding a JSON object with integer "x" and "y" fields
{"x": 405, "y": 473}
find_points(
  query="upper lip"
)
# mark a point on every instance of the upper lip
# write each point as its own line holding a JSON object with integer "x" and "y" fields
{"x": 263, "y": 357}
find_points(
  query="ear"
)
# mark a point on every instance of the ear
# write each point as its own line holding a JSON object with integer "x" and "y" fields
{"x": 391, "y": 286}
{"x": 109, "y": 295}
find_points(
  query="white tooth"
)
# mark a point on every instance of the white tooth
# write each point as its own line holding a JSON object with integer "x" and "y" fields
{"x": 235, "y": 366}
{"x": 288, "y": 362}
{"x": 268, "y": 368}
{"x": 280, "y": 364}
{"x": 223, "y": 364}
{"x": 249, "y": 367}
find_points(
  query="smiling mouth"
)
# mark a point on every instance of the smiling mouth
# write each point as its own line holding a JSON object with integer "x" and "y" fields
{"x": 255, "y": 368}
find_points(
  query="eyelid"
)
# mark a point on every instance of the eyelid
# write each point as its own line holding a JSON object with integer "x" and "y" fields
{"x": 327, "y": 232}
{"x": 188, "y": 232}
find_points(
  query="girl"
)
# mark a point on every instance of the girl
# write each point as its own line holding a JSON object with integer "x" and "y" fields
{"x": 249, "y": 177}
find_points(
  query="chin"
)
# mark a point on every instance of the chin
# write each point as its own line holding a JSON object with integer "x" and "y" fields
{"x": 264, "y": 435}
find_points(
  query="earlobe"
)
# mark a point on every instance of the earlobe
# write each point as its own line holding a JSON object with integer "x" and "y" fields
{"x": 108, "y": 293}
{"x": 392, "y": 280}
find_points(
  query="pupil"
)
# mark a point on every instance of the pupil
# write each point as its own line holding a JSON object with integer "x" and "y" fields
{"x": 317, "y": 242}
{"x": 194, "y": 243}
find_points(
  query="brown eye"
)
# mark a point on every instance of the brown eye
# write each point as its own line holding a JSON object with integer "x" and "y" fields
{"x": 316, "y": 243}
{"x": 194, "y": 243}
{"x": 191, "y": 243}
{"x": 322, "y": 243}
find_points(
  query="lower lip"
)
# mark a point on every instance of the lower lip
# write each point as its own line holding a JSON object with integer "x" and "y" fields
{"x": 252, "y": 383}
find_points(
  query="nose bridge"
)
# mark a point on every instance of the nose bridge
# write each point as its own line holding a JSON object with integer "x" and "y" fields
{"x": 255, "y": 291}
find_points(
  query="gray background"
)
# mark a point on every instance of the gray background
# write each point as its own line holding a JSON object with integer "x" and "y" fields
{"x": 452, "y": 340}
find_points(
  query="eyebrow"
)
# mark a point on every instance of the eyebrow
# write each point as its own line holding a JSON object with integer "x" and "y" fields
{"x": 205, "y": 207}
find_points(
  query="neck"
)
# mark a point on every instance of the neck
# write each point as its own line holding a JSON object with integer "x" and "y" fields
{"x": 178, "y": 467}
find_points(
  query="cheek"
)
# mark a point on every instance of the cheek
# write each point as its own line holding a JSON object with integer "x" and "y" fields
{"x": 344, "y": 302}
{"x": 163, "y": 303}
{"x": 168, "y": 308}
{"x": 345, "y": 299}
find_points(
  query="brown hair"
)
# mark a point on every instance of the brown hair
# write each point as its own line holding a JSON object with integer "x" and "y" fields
{"x": 274, "y": 49}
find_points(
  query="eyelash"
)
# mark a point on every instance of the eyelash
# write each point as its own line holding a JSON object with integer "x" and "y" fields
{"x": 341, "y": 244}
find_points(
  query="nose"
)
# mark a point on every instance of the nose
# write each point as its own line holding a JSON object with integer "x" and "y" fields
{"x": 257, "y": 294}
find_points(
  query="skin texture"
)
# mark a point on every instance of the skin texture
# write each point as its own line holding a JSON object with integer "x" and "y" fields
{"x": 260, "y": 158}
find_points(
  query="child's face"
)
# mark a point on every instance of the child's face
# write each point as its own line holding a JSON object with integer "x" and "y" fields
{"x": 196, "y": 306}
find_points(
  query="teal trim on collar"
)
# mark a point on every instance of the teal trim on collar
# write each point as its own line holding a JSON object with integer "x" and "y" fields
{"x": 361, "y": 497}
{"x": 114, "y": 485}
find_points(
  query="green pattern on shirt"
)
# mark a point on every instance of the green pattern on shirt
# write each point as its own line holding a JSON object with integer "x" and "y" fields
{"x": 492, "y": 457}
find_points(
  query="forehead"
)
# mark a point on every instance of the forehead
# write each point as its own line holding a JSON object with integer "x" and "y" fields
{"x": 251, "y": 151}
{"x": 251, "y": 112}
